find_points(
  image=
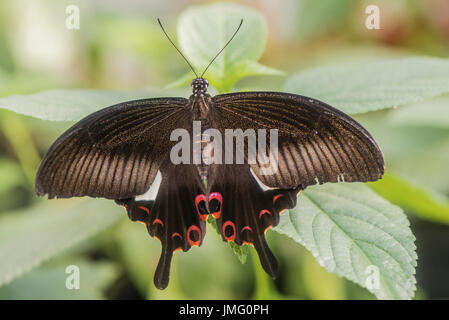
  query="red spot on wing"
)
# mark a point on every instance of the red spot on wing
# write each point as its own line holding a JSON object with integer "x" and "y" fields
{"x": 247, "y": 242}
{"x": 198, "y": 199}
{"x": 193, "y": 228}
{"x": 217, "y": 196}
{"x": 264, "y": 211}
{"x": 277, "y": 197}
{"x": 266, "y": 229}
{"x": 203, "y": 216}
{"x": 246, "y": 228}
{"x": 226, "y": 224}
{"x": 159, "y": 221}
{"x": 175, "y": 234}
{"x": 145, "y": 209}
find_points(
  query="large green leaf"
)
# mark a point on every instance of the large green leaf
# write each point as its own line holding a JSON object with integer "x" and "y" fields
{"x": 434, "y": 113}
{"x": 316, "y": 18}
{"x": 48, "y": 282}
{"x": 362, "y": 87}
{"x": 204, "y": 30}
{"x": 10, "y": 175}
{"x": 320, "y": 284}
{"x": 66, "y": 104}
{"x": 28, "y": 238}
{"x": 423, "y": 202}
{"x": 419, "y": 154}
{"x": 349, "y": 229}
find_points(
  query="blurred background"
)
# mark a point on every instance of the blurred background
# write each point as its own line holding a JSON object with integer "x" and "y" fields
{"x": 121, "y": 47}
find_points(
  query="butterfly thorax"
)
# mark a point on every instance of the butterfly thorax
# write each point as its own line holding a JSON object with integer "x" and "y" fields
{"x": 200, "y": 100}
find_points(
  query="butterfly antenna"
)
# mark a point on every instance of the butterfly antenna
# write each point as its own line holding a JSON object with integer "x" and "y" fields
{"x": 190, "y": 65}
{"x": 238, "y": 28}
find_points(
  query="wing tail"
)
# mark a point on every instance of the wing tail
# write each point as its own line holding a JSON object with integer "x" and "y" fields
{"x": 246, "y": 211}
{"x": 173, "y": 217}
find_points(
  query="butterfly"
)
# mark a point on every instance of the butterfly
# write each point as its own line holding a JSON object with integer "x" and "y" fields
{"x": 118, "y": 152}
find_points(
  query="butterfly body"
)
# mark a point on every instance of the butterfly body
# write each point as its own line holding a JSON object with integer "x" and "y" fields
{"x": 201, "y": 104}
{"x": 117, "y": 152}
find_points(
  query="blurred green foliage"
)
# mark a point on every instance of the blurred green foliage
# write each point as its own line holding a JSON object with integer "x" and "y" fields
{"x": 120, "y": 47}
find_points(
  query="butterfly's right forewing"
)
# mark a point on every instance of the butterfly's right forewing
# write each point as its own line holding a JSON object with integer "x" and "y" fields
{"x": 317, "y": 143}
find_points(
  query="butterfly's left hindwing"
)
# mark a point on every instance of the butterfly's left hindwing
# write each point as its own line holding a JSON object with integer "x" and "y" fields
{"x": 174, "y": 217}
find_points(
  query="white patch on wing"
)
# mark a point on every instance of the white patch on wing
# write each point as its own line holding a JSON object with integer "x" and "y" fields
{"x": 151, "y": 193}
{"x": 263, "y": 186}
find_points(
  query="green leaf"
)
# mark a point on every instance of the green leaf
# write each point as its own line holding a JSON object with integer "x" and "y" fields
{"x": 20, "y": 139}
{"x": 362, "y": 87}
{"x": 434, "y": 113}
{"x": 240, "y": 251}
{"x": 244, "y": 69}
{"x": 407, "y": 150}
{"x": 349, "y": 230}
{"x": 66, "y": 104}
{"x": 48, "y": 282}
{"x": 10, "y": 175}
{"x": 423, "y": 202}
{"x": 204, "y": 30}
{"x": 320, "y": 284}
{"x": 182, "y": 81}
{"x": 30, "y": 237}
{"x": 316, "y": 18}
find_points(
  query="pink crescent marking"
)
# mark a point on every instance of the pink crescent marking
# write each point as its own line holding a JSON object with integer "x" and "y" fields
{"x": 216, "y": 195}
{"x": 266, "y": 229}
{"x": 264, "y": 211}
{"x": 175, "y": 234}
{"x": 247, "y": 242}
{"x": 199, "y": 198}
{"x": 229, "y": 223}
{"x": 246, "y": 228}
{"x": 217, "y": 214}
{"x": 145, "y": 209}
{"x": 219, "y": 197}
{"x": 190, "y": 241}
{"x": 158, "y": 221}
{"x": 277, "y": 197}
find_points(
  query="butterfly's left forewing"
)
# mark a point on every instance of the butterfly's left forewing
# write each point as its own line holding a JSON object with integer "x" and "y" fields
{"x": 114, "y": 153}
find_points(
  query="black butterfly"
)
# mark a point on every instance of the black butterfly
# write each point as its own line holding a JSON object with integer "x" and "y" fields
{"x": 117, "y": 152}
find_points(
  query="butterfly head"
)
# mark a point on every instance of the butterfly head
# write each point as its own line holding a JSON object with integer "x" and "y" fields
{"x": 199, "y": 86}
